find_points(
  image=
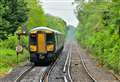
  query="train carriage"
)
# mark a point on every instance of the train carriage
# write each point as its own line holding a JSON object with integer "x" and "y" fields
{"x": 44, "y": 43}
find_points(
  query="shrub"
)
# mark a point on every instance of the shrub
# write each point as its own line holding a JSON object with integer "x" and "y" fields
{"x": 100, "y": 32}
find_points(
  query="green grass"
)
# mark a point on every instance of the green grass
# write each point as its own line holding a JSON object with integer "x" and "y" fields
{"x": 8, "y": 57}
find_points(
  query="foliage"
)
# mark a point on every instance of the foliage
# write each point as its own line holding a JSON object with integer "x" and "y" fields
{"x": 36, "y": 14}
{"x": 12, "y": 16}
{"x": 99, "y": 30}
{"x": 10, "y": 43}
{"x": 8, "y": 56}
{"x": 13, "y": 13}
{"x": 56, "y": 23}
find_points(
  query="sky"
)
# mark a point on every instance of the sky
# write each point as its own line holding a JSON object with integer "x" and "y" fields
{"x": 61, "y": 8}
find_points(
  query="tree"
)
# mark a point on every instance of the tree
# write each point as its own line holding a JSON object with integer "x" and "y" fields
{"x": 13, "y": 13}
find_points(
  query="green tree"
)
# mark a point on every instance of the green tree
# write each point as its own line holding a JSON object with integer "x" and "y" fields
{"x": 36, "y": 14}
{"x": 13, "y": 13}
{"x": 99, "y": 31}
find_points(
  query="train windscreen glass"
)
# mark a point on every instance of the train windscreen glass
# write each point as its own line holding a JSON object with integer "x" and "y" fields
{"x": 33, "y": 39}
{"x": 50, "y": 38}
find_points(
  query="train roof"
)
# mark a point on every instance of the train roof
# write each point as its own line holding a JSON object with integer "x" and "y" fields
{"x": 45, "y": 28}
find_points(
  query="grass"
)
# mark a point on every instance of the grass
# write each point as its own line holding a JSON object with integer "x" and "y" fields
{"x": 8, "y": 59}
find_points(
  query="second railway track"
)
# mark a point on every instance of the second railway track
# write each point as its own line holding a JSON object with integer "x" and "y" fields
{"x": 46, "y": 76}
{"x": 94, "y": 80}
{"x": 85, "y": 67}
{"x": 66, "y": 69}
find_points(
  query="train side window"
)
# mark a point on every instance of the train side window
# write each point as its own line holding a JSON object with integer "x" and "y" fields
{"x": 33, "y": 40}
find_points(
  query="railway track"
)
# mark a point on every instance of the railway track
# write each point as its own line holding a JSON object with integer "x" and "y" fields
{"x": 94, "y": 80}
{"x": 24, "y": 73}
{"x": 31, "y": 73}
{"x": 85, "y": 67}
{"x": 45, "y": 75}
{"x": 66, "y": 69}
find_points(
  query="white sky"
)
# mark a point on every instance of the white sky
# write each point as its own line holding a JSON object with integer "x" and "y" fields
{"x": 61, "y": 8}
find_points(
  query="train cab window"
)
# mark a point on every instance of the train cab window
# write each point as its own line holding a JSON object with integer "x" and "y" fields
{"x": 50, "y": 39}
{"x": 33, "y": 39}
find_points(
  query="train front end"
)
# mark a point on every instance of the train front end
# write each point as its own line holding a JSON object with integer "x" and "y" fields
{"x": 41, "y": 45}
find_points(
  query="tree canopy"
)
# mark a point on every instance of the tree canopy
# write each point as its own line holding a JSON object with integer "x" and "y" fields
{"x": 13, "y": 13}
{"x": 99, "y": 30}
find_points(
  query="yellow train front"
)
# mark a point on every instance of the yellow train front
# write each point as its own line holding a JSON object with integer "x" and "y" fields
{"x": 44, "y": 44}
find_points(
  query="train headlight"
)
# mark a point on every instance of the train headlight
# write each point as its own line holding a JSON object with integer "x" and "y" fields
{"x": 50, "y": 47}
{"x": 33, "y": 48}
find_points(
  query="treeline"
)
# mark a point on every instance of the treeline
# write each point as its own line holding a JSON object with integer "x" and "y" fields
{"x": 24, "y": 13}
{"x": 16, "y": 15}
{"x": 99, "y": 30}
{"x": 13, "y": 13}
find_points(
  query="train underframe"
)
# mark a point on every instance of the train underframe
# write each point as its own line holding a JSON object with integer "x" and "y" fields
{"x": 41, "y": 58}
{"x": 44, "y": 59}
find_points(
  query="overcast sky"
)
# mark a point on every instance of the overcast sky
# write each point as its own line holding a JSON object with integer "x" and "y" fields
{"x": 61, "y": 8}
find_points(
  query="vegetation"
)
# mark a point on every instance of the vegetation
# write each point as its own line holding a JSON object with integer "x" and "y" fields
{"x": 56, "y": 23}
{"x": 15, "y": 14}
{"x": 36, "y": 15}
{"x": 8, "y": 56}
{"x": 99, "y": 30}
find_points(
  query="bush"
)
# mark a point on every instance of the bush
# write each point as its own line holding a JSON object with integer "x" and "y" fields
{"x": 9, "y": 43}
{"x": 99, "y": 32}
{"x": 36, "y": 14}
{"x": 56, "y": 23}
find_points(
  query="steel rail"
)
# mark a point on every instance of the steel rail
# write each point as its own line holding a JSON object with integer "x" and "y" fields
{"x": 42, "y": 75}
{"x": 24, "y": 73}
{"x": 66, "y": 68}
{"x": 69, "y": 66}
{"x": 66, "y": 62}
{"x": 86, "y": 69}
{"x": 45, "y": 76}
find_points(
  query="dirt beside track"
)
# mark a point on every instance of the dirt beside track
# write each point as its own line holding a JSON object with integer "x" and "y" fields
{"x": 15, "y": 73}
{"x": 78, "y": 72}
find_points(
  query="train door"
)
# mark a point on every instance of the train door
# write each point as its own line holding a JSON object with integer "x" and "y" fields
{"x": 41, "y": 42}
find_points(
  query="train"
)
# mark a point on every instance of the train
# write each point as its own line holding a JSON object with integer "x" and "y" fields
{"x": 44, "y": 44}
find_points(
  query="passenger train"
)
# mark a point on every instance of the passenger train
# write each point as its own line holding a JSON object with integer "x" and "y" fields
{"x": 44, "y": 44}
